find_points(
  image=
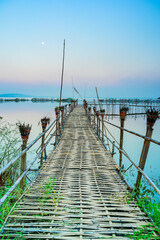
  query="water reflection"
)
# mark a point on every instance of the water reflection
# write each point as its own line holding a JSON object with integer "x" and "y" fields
{"x": 133, "y": 144}
{"x": 28, "y": 112}
{"x": 31, "y": 113}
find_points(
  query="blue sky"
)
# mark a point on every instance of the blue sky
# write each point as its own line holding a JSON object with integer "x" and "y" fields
{"x": 111, "y": 44}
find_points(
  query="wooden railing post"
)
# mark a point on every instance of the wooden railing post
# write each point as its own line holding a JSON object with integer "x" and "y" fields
{"x": 112, "y": 153}
{"x": 94, "y": 115}
{"x": 102, "y": 115}
{"x": 121, "y": 141}
{"x": 44, "y": 122}
{"x": 97, "y": 115}
{"x": 42, "y": 146}
{"x": 24, "y": 131}
{"x": 57, "y": 122}
{"x": 23, "y": 165}
{"x": 123, "y": 112}
{"x": 152, "y": 116}
{"x": 102, "y": 130}
{"x": 99, "y": 122}
{"x": 89, "y": 113}
{"x": 62, "y": 116}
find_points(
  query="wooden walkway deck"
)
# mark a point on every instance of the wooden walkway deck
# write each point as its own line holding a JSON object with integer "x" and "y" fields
{"x": 78, "y": 193}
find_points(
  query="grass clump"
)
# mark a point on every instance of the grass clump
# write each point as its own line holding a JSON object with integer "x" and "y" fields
{"x": 144, "y": 198}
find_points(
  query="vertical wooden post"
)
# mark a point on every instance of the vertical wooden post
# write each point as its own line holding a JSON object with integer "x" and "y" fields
{"x": 113, "y": 149}
{"x": 102, "y": 115}
{"x": 94, "y": 115}
{"x": 23, "y": 165}
{"x": 121, "y": 141}
{"x": 56, "y": 130}
{"x": 152, "y": 116}
{"x": 42, "y": 145}
{"x": 123, "y": 111}
{"x": 102, "y": 130}
{"x": 62, "y": 117}
{"x": 57, "y": 122}
{"x": 97, "y": 123}
{"x": 89, "y": 113}
{"x": 44, "y": 122}
{"x": 69, "y": 108}
{"x": 24, "y": 131}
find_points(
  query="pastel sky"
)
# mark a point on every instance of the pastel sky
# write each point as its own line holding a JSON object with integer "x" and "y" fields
{"x": 111, "y": 44}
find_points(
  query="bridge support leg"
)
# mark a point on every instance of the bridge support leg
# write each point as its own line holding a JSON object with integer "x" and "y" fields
{"x": 24, "y": 131}
{"x": 23, "y": 165}
{"x": 42, "y": 146}
{"x": 121, "y": 141}
{"x": 102, "y": 129}
{"x": 62, "y": 119}
{"x": 98, "y": 125}
{"x": 112, "y": 153}
{"x": 152, "y": 116}
{"x": 99, "y": 129}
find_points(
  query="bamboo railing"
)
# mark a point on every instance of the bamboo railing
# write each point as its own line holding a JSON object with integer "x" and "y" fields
{"x": 99, "y": 125}
{"x": 54, "y": 130}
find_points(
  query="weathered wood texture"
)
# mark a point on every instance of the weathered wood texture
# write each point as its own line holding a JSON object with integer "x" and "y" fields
{"x": 87, "y": 200}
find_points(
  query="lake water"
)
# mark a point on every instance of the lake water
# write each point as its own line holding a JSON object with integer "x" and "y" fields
{"x": 31, "y": 113}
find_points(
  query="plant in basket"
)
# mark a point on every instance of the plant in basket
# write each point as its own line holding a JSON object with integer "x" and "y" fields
{"x": 24, "y": 130}
{"x": 102, "y": 111}
{"x": 152, "y": 116}
{"x": 123, "y": 111}
{"x": 45, "y": 121}
{"x": 57, "y": 111}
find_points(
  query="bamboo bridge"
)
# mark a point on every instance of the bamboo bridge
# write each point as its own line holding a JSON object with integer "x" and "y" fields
{"x": 78, "y": 193}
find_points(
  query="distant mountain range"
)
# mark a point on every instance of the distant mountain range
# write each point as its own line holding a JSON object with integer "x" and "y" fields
{"x": 14, "y": 95}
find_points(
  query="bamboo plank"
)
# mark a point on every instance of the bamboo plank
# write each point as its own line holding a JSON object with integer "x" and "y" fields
{"x": 88, "y": 199}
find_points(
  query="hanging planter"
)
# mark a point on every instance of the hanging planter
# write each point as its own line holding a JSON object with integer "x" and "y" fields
{"x": 152, "y": 116}
{"x": 57, "y": 111}
{"x": 62, "y": 109}
{"x": 45, "y": 121}
{"x": 123, "y": 112}
{"x": 24, "y": 130}
{"x": 97, "y": 113}
{"x": 102, "y": 111}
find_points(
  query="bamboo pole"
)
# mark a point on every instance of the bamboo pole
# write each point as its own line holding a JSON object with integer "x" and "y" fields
{"x": 97, "y": 124}
{"x": 23, "y": 165}
{"x": 152, "y": 116}
{"x": 98, "y": 98}
{"x": 113, "y": 149}
{"x": 78, "y": 92}
{"x": 102, "y": 128}
{"x": 62, "y": 73}
{"x": 123, "y": 112}
{"x": 121, "y": 141}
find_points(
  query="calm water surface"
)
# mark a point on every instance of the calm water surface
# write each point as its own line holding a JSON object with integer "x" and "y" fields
{"x": 31, "y": 113}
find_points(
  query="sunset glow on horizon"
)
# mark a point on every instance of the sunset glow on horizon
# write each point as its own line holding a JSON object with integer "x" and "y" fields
{"x": 111, "y": 44}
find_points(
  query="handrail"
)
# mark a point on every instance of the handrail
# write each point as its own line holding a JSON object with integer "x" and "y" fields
{"x": 23, "y": 174}
{"x": 52, "y": 125}
{"x": 2, "y": 170}
{"x": 138, "y": 168}
{"x": 134, "y": 133}
{"x": 125, "y": 153}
